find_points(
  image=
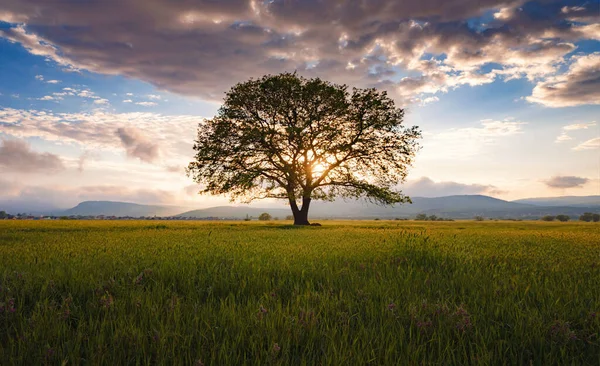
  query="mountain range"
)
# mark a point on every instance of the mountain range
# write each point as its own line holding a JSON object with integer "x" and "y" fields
{"x": 463, "y": 206}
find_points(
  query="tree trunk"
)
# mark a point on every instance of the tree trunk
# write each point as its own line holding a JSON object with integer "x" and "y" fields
{"x": 301, "y": 215}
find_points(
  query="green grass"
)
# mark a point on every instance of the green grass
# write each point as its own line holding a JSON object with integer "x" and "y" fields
{"x": 385, "y": 292}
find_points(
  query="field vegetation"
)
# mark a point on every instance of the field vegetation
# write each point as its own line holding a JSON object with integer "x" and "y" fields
{"x": 384, "y": 292}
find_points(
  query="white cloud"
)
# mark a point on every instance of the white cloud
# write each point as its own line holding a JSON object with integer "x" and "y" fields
{"x": 47, "y": 97}
{"x": 572, "y": 127}
{"x": 129, "y": 94}
{"x": 463, "y": 143}
{"x": 101, "y": 101}
{"x": 127, "y": 101}
{"x": 53, "y": 81}
{"x": 579, "y": 126}
{"x": 592, "y": 144}
{"x": 562, "y": 138}
{"x": 173, "y": 135}
{"x": 39, "y": 77}
{"x": 154, "y": 97}
{"x": 146, "y": 104}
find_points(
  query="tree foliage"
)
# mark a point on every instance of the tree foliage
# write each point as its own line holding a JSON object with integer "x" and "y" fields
{"x": 264, "y": 217}
{"x": 589, "y": 217}
{"x": 287, "y": 137}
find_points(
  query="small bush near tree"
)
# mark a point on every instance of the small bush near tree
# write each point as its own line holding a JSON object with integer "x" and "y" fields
{"x": 478, "y": 218}
{"x": 421, "y": 217}
{"x": 589, "y": 217}
{"x": 264, "y": 217}
{"x": 548, "y": 218}
{"x": 289, "y": 217}
{"x": 563, "y": 218}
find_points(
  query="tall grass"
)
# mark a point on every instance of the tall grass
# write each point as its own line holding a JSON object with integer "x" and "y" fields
{"x": 183, "y": 293}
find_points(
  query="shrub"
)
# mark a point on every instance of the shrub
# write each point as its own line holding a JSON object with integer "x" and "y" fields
{"x": 478, "y": 218}
{"x": 264, "y": 217}
{"x": 563, "y": 218}
{"x": 548, "y": 218}
{"x": 589, "y": 217}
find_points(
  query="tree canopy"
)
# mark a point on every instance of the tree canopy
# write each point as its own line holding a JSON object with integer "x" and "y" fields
{"x": 287, "y": 137}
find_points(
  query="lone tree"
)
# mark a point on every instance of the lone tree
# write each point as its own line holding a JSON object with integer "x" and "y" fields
{"x": 287, "y": 137}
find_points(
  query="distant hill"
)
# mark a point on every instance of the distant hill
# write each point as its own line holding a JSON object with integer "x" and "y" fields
{"x": 236, "y": 212}
{"x": 572, "y": 201}
{"x": 465, "y": 206}
{"x": 110, "y": 208}
{"x": 458, "y": 207}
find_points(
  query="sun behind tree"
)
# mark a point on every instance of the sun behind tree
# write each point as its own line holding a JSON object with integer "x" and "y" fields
{"x": 287, "y": 137}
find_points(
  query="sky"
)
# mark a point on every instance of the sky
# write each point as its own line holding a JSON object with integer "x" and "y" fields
{"x": 100, "y": 99}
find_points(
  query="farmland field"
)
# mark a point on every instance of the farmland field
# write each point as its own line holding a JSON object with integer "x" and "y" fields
{"x": 378, "y": 292}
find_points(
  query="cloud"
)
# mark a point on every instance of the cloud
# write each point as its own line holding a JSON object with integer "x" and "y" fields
{"x": 137, "y": 145}
{"x": 579, "y": 126}
{"x": 127, "y": 101}
{"x": 146, "y": 104}
{"x": 39, "y": 77}
{"x": 566, "y": 182}
{"x": 426, "y": 187}
{"x": 202, "y": 48}
{"x": 562, "y": 138}
{"x": 578, "y": 86}
{"x": 173, "y": 135}
{"x": 154, "y": 97}
{"x": 592, "y": 144}
{"x": 129, "y": 94}
{"x": 101, "y": 101}
{"x": 572, "y": 127}
{"x": 17, "y": 156}
{"x": 53, "y": 81}
{"x": 462, "y": 143}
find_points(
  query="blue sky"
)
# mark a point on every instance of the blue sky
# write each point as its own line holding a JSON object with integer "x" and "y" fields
{"x": 106, "y": 107}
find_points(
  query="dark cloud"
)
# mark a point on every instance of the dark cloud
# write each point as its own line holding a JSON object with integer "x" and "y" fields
{"x": 137, "y": 145}
{"x": 425, "y": 187}
{"x": 203, "y": 47}
{"x": 566, "y": 182}
{"x": 17, "y": 156}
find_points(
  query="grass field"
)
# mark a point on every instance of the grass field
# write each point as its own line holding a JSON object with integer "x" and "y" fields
{"x": 347, "y": 293}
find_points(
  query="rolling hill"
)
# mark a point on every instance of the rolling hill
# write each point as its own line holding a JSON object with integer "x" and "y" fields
{"x": 458, "y": 207}
{"x": 110, "y": 208}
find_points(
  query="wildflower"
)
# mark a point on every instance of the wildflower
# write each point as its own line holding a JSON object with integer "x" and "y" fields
{"x": 391, "y": 306}
{"x": 262, "y": 311}
{"x": 11, "y": 305}
{"x": 106, "y": 300}
{"x": 49, "y": 353}
{"x": 276, "y": 348}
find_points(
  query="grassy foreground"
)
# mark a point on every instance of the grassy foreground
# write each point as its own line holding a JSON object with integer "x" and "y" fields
{"x": 185, "y": 293}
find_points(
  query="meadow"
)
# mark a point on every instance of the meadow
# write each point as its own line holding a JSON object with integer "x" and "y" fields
{"x": 346, "y": 293}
